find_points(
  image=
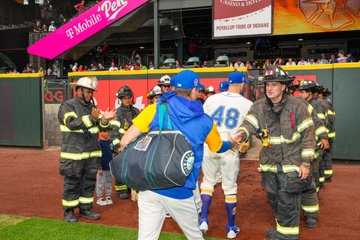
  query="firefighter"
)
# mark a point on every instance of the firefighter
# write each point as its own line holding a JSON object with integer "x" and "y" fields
{"x": 124, "y": 116}
{"x": 209, "y": 91}
{"x": 164, "y": 83}
{"x": 80, "y": 123}
{"x": 154, "y": 94}
{"x": 330, "y": 115}
{"x": 309, "y": 199}
{"x": 288, "y": 138}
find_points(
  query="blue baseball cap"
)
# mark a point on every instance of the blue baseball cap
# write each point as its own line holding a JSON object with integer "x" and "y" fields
{"x": 223, "y": 86}
{"x": 201, "y": 86}
{"x": 186, "y": 79}
{"x": 237, "y": 78}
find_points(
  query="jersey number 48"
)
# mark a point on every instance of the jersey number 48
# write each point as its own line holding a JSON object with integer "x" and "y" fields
{"x": 231, "y": 116}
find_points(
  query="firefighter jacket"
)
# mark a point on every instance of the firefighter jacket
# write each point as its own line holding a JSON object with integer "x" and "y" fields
{"x": 330, "y": 117}
{"x": 79, "y": 131}
{"x": 288, "y": 133}
{"x": 319, "y": 117}
{"x": 122, "y": 123}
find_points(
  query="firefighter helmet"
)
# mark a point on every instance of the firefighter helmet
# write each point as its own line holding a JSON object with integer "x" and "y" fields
{"x": 308, "y": 85}
{"x": 86, "y": 82}
{"x": 154, "y": 92}
{"x": 275, "y": 74}
{"x": 164, "y": 80}
{"x": 124, "y": 91}
{"x": 210, "y": 89}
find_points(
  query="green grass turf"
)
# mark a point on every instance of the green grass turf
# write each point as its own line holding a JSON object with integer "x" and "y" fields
{"x": 21, "y": 228}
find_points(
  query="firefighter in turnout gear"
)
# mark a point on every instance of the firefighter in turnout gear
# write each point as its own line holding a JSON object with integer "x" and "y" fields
{"x": 309, "y": 198}
{"x": 288, "y": 138}
{"x": 125, "y": 114}
{"x": 330, "y": 123}
{"x": 80, "y": 123}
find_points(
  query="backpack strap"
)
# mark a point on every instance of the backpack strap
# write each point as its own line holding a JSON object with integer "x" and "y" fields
{"x": 162, "y": 109}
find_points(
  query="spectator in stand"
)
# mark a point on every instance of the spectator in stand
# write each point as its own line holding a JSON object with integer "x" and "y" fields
{"x": 332, "y": 59}
{"x": 113, "y": 67}
{"x": 80, "y": 7}
{"x": 135, "y": 57}
{"x": 205, "y": 64}
{"x": 349, "y": 58}
{"x": 311, "y": 61}
{"x": 319, "y": 61}
{"x": 81, "y": 68}
{"x": 238, "y": 63}
{"x": 101, "y": 67}
{"x": 37, "y": 27}
{"x": 323, "y": 59}
{"x": 151, "y": 66}
{"x": 341, "y": 57}
{"x": 248, "y": 65}
{"x": 64, "y": 21}
{"x": 302, "y": 62}
{"x": 279, "y": 62}
{"x": 44, "y": 28}
{"x": 290, "y": 62}
{"x": 143, "y": 67}
{"x": 49, "y": 71}
{"x": 75, "y": 67}
{"x": 267, "y": 63}
{"x": 93, "y": 67}
{"x": 52, "y": 27}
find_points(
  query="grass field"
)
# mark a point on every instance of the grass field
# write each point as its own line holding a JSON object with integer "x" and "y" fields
{"x": 22, "y": 228}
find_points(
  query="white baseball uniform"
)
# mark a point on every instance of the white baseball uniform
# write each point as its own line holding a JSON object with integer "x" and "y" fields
{"x": 228, "y": 110}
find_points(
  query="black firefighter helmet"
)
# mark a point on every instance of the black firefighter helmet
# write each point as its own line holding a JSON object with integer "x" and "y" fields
{"x": 124, "y": 91}
{"x": 275, "y": 74}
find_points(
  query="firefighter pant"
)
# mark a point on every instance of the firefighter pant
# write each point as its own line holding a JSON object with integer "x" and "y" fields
{"x": 321, "y": 168}
{"x": 284, "y": 194}
{"x": 328, "y": 171}
{"x": 315, "y": 169}
{"x": 309, "y": 199}
{"x": 79, "y": 182}
{"x": 120, "y": 187}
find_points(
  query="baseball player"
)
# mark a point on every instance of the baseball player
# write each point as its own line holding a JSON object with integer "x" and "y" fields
{"x": 228, "y": 110}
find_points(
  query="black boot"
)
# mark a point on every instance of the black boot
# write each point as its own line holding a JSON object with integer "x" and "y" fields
{"x": 69, "y": 215}
{"x": 270, "y": 232}
{"x": 311, "y": 222}
{"x": 89, "y": 214}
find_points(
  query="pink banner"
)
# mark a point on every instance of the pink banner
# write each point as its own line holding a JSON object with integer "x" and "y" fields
{"x": 85, "y": 25}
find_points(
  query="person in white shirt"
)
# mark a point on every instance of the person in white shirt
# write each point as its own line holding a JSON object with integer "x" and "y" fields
{"x": 52, "y": 27}
{"x": 228, "y": 110}
{"x": 302, "y": 62}
{"x": 290, "y": 62}
{"x": 239, "y": 63}
{"x": 113, "y": 67}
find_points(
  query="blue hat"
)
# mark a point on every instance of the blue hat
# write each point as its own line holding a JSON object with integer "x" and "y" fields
{"x": 201, "y": 86}
{"x": 223, "y": 86}
{"x": 237, "y": 78}
{"x": 185, "y": 79}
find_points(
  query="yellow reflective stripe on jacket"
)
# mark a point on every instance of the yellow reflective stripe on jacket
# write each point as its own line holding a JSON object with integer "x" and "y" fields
{"x": 316, "y": 155}
{"x": 72, "y": 203}
{"x": 321, "y": 179}
{"x": 116, "y": 141}
{"x": 307, "y": 152}
{"x": 329, "y": 112}
{"x": 310, "y": 108}
{"x": 290, "y": 168}
{"x": 268, "y": 168}
{"x": 321, "y": 116}
{"x": 328, "y": 172}
{"x": 245, "y": 130}
{"x": 94, "y": 130}
{"x": 104, "y": 126}
{"x": 80, "y": 156}
{"x": 86, "y": 200}
{"x": 63, "y": 128}
{"x": 86, "y": 120}
{"x": 332, "y": 135}
{"x": 230, "y": 199}
{"x": 275, "y": 140}
{"x": 321, "y": 130}
{"x": 305, "y": 124}
{"x": 69, "y": 114}
{"x": 311, "y": 209}
{"x": 251, "y": 119}
{"x": 287, "y": 230}
{"x": 115, "y": 123}
{"x": 120, "y": 188}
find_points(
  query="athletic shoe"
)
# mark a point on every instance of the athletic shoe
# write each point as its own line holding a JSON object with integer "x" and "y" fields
{"x": 311, "y": 222}
{"x": 232, "y": 231}
{"x": 101, "y": 202}
{"x": 109, "y": 201}
{"x": 204, "y": 224}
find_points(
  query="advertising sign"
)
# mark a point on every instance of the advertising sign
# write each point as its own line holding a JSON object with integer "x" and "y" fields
{"x": 242, "y": 18}
{"x": 83, "y": 26}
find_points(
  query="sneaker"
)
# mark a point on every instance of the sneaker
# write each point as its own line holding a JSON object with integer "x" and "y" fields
{"x": 109, "y": 201}
{"x": 101, "y": 202}
{"x": 204, "y": 224}
{"x": 311, "y": 222}
{"x": 232, "y": 231}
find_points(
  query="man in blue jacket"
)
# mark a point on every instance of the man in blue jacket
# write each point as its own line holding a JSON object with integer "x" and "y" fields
{"x": 186, "y": 115}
